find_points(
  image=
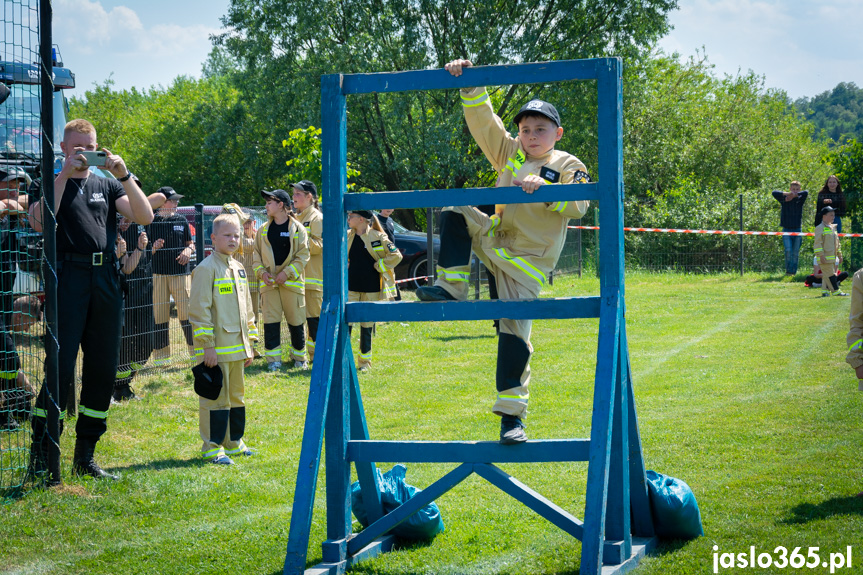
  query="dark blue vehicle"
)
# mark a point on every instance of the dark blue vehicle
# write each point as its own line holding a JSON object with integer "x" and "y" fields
{"x": 414, "y": 249}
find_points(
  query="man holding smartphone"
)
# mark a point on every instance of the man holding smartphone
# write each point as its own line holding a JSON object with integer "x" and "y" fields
{"x": 89, "y": 298}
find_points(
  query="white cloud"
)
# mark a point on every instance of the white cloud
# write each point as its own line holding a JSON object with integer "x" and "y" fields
{"x": 802, "y": 47}
{"x": 96, "y": 42}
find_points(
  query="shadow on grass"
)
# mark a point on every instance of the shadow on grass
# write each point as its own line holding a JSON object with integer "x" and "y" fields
{"x": 806, "y": 512}
{"x": 462, "y": 337}
{"x": 162, "y": 464}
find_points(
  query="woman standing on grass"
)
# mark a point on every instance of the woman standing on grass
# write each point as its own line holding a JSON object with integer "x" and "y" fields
{"x": 372, "y": 257}
{"x": 831, "y": 195}
{"x": 306, "y": 207}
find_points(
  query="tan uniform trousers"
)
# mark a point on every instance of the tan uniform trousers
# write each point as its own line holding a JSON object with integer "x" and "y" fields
{"x": 314, "y": 302}
{"x": 365, "y": 359}
{"x": 166, "y": 286}
{"x": 292, "y": 305}
{"x": 233, "y": 389}
{"x": 828, "y": 270}
{"x": 512, "y": 401}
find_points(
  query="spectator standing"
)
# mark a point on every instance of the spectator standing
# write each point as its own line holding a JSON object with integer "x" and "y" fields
{"x": 831, "y": 195}
{"x": 791, "y": 220}
{"x": 12, "y": 218}
{"x": 173, "y": 248}
{"x": 281, "y": 255}
{"x": 138, "y": 320}
{"x": 89, "y": 299}
{"x": 221, "y": 310}
{"x": 306, "y": 208}
{"x": 829, "y": 253}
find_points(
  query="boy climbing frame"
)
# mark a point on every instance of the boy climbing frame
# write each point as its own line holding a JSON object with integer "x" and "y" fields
{"x": 617, "y": 530}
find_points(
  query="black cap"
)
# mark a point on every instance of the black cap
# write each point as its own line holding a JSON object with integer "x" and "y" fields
{"x": 208, "y": 381}
{"x": 279, "y": 195}
{"x": 538, "y": 107}
{"x": 306, "y": 186}
{"x": 170, "y": 194}
{"x": 364, "y": 213}
{"x": 826, "y": 210}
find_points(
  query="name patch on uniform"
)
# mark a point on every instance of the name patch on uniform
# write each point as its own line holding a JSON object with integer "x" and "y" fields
{"x": 285, "y": 234}
{"x": 376, "y": 244}
{"x": 548, "y": 174}
{"x": 307, "y": 224}
{"x": 179, "y": 228}
{"x": 226, "y": 289}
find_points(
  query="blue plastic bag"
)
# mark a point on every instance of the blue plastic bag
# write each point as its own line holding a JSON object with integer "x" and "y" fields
{"x": 421, "y": 526}
{"x": 672, "y": 503}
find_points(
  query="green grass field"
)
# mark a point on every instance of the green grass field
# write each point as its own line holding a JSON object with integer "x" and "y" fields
{"x": 741, "y": 389}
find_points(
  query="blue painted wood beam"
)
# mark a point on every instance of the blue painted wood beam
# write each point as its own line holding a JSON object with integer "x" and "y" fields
{"x": 471, "y": 196}
{"x": 409, "y": 507}
{"x": 524, "y": 494}
{"x": 469, "y": 451}
{"x": 532, "y": 73}
{"x": 545, "y": 308}
{"x": 313, "y": 438}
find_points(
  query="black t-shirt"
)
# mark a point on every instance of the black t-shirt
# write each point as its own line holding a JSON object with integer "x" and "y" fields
{"x": 279, "y": 236}
{"x": 175, "y": 231}
{"x": 87, "y": 219}
{"x": 362, "y": 275}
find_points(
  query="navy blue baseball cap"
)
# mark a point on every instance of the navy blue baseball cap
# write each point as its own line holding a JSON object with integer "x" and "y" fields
{"x": 540, "y": 107}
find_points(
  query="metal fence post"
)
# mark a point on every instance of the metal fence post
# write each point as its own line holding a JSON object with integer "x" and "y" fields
{"x": 741, "y": 235}
{"x": 52, "y": 377}
{"x": 199, "y": 233}
{"x": 578, "y": 246}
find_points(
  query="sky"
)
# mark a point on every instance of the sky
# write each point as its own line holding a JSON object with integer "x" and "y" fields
{"x": 802, "y": 47}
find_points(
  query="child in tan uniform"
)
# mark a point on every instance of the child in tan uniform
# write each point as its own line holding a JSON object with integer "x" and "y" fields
{"x": 828, "y": 252}
{"x": 223, "y": 327}
{"x": 520, "y": 244}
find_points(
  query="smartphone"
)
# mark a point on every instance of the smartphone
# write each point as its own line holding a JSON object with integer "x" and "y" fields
{"x": 97, "y": 159}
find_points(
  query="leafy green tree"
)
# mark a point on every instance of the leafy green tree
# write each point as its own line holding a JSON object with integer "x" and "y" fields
{"x": 418, "y": 140}
{"x": 305, "y": 146}
{"x": 836, "y": 113}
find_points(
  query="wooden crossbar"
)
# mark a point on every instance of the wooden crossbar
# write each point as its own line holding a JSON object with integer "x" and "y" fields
{"x": 478, "y": 197}
{"x": 545, "y": 308}
{"x": 534, "y": 451}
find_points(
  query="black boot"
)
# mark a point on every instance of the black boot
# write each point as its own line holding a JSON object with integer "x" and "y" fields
{"x": 83, "y": 462}
{"x": 38, "y": 471}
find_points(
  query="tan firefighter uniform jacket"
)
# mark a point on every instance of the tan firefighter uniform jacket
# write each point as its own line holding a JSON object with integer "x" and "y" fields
{"x": 827, "y": 243}
{"x": 313, "y": 220}
{"x": 386, "y": 256}
{"x": 293, "y": 266}
{"x": 855, "y": 319}
{"x": 527, "y": 237}
{"x": 220, "y": 309}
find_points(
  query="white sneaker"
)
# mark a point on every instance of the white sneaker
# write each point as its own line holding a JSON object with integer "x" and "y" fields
{"x": 301, "y": 364}
{"x": 274, "y": 366}
{"x": 839, "y": 293}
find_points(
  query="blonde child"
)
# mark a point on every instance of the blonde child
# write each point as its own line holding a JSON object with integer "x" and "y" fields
{"x": 223, "y": 328}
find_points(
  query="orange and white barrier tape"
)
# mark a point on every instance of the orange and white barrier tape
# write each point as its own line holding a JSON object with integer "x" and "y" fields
{"x": 412, "y": 279}
{"x": 714, "y": 232}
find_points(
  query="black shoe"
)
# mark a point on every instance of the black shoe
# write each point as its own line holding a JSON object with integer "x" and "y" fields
{"x": 123, "y": 393}
{"x": 433, "y": 293}
{"x": 511, "y": 430}
{"x": 84, "y": 464}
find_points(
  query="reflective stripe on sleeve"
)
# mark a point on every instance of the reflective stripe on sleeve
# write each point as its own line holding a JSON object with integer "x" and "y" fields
{"x": 856, "y": 345}
{"x": 452, "y": 275}
{"x": 472, "y": 102}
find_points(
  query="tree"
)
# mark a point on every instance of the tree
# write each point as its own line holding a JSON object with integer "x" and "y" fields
{"x": 836, "y": 113}
{"x": 418, "y": 140}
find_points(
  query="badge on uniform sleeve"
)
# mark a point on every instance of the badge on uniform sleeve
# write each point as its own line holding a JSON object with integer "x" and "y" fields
{"x": 549, "y": 175}
{"x": 392, "y": 248}
{"x": 376, "y": 244}
{"x": 581, "y": 177}
{"x": 307, "y": 224}
{"x": 242, "y": 273}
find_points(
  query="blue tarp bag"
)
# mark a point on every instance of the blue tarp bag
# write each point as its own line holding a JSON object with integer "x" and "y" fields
{"x": 672, "y": 503}
{"x": 421, "y": 526}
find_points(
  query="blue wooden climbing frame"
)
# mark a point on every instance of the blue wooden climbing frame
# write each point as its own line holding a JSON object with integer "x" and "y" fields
{"x": 617, "y": 529}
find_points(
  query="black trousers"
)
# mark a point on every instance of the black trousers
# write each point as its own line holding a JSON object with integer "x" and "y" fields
{"x": 89, "y": 315}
